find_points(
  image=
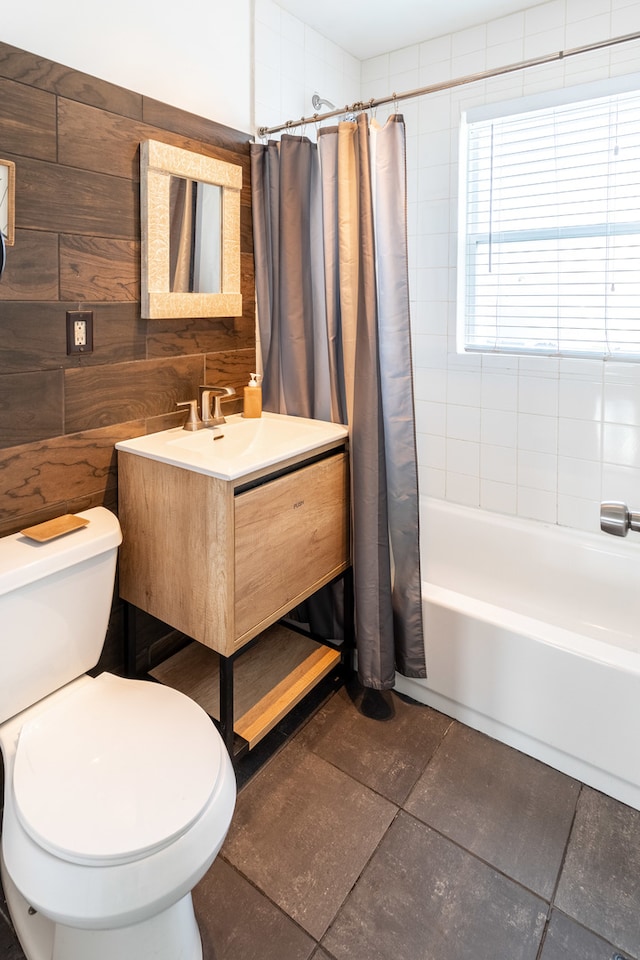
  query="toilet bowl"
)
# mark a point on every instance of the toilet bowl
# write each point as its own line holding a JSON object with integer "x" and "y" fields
{"x": 118, "y": 793}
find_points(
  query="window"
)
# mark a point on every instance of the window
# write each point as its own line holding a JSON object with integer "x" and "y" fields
{"x": 549, "y": 240}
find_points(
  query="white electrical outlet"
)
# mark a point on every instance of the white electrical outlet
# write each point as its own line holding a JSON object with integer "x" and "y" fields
{"x": 80, "y": 333}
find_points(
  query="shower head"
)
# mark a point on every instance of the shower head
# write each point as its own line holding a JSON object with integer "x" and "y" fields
{"x": 317, "y": 101}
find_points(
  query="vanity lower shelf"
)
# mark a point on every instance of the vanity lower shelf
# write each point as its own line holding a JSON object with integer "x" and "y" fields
{"x": 269, "y": 678}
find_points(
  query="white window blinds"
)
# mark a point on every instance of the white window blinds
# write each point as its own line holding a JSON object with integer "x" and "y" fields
{"x": 550, "y": 231}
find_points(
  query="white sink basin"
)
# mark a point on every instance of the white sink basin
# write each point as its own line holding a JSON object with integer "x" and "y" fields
{"x": 237, "y": 447}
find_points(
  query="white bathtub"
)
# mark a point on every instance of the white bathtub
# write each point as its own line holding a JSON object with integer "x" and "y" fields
{"x": 532, "y": 635}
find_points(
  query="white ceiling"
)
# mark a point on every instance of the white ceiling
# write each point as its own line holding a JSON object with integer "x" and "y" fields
{"x": 366, "y": 28}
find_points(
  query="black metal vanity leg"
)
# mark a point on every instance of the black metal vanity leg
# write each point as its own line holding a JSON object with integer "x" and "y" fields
{"x": 349, "y": 639}
{"x": 226, "y": 702}
{"x": 130, "y": 639}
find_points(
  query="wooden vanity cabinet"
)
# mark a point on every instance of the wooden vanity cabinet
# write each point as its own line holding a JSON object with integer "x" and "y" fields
{"x": 223, "y": 560}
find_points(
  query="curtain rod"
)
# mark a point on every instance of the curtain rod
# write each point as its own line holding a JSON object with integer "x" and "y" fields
{"x": 450, "y": 84}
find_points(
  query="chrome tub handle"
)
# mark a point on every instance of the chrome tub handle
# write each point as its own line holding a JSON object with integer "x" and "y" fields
{"x": 617, "y": 519}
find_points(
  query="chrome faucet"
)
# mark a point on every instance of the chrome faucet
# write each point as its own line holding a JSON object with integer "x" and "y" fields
{"x": 206, "y": 392}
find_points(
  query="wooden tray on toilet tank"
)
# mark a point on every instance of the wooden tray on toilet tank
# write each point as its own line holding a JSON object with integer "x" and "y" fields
{"x": 51, "y": 529}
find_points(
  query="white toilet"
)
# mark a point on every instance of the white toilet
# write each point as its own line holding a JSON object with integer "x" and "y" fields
{"x": 118, "y": 793}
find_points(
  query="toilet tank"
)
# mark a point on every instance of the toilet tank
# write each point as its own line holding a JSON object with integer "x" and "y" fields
{"x": 55, "y": 601}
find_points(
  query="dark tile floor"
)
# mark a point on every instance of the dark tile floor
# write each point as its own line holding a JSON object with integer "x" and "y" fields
{"x": 416, "y": 839}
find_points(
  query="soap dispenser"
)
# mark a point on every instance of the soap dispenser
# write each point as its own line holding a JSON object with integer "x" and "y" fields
{"x": 253, "y": 397}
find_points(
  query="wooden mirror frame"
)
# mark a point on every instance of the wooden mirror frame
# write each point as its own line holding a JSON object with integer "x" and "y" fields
{"x": 158, "y": 162}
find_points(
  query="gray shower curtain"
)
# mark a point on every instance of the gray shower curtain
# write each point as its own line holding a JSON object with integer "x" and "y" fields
{"x": 333, "y": 312}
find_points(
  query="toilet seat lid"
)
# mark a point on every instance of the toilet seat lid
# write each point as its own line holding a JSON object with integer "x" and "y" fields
{"x": 115, "y": 770}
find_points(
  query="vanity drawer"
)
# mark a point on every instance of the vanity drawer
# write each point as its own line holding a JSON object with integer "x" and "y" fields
{"x": 291, "y": 537}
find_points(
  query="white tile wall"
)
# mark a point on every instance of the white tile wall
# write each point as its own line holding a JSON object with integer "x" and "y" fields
{"x": 539, "y": 438}
{"x": 291, "y": 63}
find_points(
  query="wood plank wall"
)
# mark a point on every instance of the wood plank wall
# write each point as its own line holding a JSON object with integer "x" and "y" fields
{"x": 75, "y": 142}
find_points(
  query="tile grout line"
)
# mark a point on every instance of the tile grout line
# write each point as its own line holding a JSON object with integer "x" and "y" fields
{"x": 281, "y": 910}
{"x": 552, "y": 905}
{"x": 359, "y": 877}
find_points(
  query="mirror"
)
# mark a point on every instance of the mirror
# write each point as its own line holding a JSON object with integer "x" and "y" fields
{"x": 195, "y": 231}
{"x": 7, "y": 209}
{"x": 190, "y": 210}
{"x": 7, "y": 200}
